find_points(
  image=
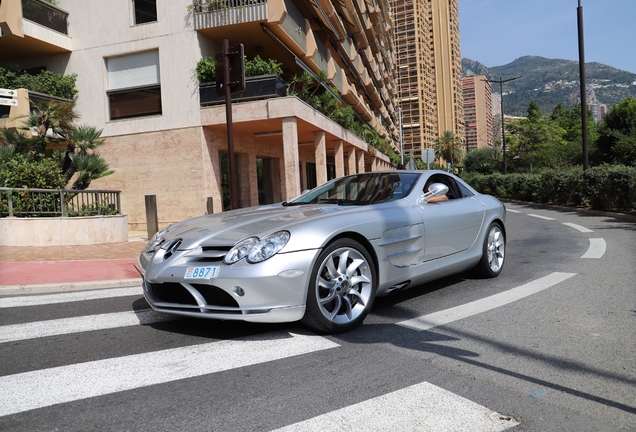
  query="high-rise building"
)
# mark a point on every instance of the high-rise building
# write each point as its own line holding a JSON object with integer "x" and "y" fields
{"x": 166, "y": 136}
{"x": 478, "y": 121}
{"x": 429, "y": 71}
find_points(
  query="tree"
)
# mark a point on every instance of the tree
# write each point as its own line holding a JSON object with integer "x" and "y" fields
{"x": 483, "y": 161}
{"x": 617, "y": 137}
{"x": 51, "y": 123}
{"x": 449, "y": 147}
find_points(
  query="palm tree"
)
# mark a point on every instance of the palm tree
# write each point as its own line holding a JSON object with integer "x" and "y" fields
{"x": 50, "y": 121}
{"x": 90, "y": 167}
{"x": 449, "y": 147}
{"x": 82, "y": 140}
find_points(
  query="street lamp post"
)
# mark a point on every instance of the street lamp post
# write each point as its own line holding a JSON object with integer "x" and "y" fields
{"x": 583, "y": 90}
{"x": 503, "y": 128}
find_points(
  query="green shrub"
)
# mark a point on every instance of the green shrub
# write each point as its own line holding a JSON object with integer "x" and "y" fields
{"x": 206, "y": 68}
{"x": 23, "y": 171}
{"x": 47, "y": 82}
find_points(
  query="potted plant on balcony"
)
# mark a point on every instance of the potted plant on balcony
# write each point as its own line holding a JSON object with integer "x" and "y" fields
{"x": 262, "y": 81}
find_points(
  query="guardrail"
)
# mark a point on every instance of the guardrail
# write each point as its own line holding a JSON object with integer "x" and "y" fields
{"x": 29, "y": 202}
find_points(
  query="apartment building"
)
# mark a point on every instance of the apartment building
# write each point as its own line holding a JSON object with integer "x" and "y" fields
{"x": 429, "y": 71}
{"x": 135, "y": 62}
{"x": 478, "y": 121}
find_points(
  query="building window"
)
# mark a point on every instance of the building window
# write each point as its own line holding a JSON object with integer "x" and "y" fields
{"x": 134, "y": 86}
{"x": 145, "y": 11}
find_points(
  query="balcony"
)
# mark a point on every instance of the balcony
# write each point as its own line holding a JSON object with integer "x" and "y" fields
{"x": 258, "y": 87}
{"x": 32, "y": 28}
{"x": 228, "y": 12}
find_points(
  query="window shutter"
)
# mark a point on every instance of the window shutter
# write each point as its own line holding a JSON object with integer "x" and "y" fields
{"x": 133, "y": 70}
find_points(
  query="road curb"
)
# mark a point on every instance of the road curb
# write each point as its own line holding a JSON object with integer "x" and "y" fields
{"x": 67, "y": 286}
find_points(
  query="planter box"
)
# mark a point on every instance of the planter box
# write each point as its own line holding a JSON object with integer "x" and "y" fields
{"x": 258, "y": 87}
{"x": 63, "y": 231}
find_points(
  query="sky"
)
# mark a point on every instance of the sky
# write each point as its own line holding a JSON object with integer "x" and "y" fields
{"x": 496, "y": 32}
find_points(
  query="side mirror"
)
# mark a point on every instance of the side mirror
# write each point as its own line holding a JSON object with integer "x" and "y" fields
{"x": 435, "y": 190}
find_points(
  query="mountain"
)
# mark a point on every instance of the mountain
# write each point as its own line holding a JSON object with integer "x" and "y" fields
{"x": 550, "y": 81}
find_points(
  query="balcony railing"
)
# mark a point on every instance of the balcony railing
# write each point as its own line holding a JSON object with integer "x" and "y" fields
{"x": 29, "y": 202}
{"x": 258, "y": 87}
{"x": 217, "y": 13}
{"x": 45, "y": 14}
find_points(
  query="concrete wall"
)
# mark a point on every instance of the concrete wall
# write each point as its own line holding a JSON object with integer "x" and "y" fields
{"x": 63, "y": 231}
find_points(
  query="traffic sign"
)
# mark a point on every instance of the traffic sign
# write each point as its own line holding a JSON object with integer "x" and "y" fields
{"x": 7, "y": 92}
{"x": 428, "y": 156}
{"x": 8, "y": 102}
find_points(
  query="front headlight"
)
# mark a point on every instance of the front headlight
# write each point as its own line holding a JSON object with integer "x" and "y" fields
{"x": 156, "y": 241}
{"x": 257, "y": 250}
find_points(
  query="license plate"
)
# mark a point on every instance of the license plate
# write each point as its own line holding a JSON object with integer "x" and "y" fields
{"x": 202, "y": 272}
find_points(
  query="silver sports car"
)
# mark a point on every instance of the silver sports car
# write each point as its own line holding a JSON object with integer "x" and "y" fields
{"x": 323, "y": 257}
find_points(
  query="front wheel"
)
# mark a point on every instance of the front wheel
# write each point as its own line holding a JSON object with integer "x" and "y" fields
{"x": 341, "y": 288}
{"x": 493, "y": 254}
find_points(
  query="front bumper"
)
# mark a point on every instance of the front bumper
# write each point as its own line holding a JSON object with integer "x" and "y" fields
{"x": 262, "y": 292}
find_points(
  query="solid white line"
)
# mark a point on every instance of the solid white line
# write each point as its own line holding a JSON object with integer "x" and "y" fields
{"x": 32, "y": 330}
{"x": 513, "y": 211}
{"x": 540, "y": 217}
{"x": 597, "y": 248}
{"x": 37, "y": 300}
{"x": 421, "y": 407}
{"x": 46, "y": 387}
{"x": 446, "y": 316}
{"x": 578, "y": 227}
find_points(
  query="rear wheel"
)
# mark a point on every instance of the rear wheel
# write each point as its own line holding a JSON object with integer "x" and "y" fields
{"x": 494, "y": 252}
{"x": 341, "y": 288}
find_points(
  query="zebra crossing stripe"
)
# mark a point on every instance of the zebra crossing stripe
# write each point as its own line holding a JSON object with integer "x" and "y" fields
{"x": 485, "y": 304}
{"x": 421, "y": 407}
{"x": 38, "y": 329}
{"x": 46, "y": 299}
{"x": 47, "y": 387}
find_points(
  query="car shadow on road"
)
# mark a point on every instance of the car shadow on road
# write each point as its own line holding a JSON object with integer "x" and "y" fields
{"x": 432, "y": 342}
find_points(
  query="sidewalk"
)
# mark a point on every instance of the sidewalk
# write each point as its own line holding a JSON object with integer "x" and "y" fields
{"x": 30, "y": 270}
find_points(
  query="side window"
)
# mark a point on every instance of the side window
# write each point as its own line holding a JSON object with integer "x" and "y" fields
{"x": 145, "y": 11}
{"x": 464, "y": 190}
{"x": 134, "y": 86}
{"x": 453, "y": 189}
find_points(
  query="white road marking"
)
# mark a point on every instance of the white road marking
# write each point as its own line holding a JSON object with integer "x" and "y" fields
{"x": 513, "y": 211}
{"x": 540, "y": 217}
{"x": 421, "y": 407}
{"x": 32, "y": 330}
{"x": 446, "y": 316}
{"x": 578, "y": 227}
{"x": 597, "y": 248}
{"x": 37, "y": 300}
{"x": 47, "y": 387}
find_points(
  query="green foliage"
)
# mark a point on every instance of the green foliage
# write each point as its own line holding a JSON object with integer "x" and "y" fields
{"x": 24, "y": 171}
{"x": 47, "y": 82}
{"x": 482, "y": 161}
{"x": 449, "y": 147}
{"x": 606, "y": 187}
{"x": 617, "y": 137}
{"x": 206, "y": 68}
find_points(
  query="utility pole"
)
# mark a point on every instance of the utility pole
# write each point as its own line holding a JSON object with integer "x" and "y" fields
{"x": 583, "y": 90}
{"x": 503, "y": 127}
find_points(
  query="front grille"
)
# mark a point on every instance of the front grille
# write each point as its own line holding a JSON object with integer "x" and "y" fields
{"x": 215, "y": 296}
{"x": 173, "y": 293}
{"x": 176, "y": 293}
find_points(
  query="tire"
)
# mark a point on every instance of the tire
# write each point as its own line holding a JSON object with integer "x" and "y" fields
{"x": 340, "y": 296}
{"x": 493, "y": 254}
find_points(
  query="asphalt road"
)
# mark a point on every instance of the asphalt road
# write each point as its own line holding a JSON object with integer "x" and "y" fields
{"x": 549, "y": 345}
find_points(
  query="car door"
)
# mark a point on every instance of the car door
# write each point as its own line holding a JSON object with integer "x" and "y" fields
{"x": 450, "y": 226}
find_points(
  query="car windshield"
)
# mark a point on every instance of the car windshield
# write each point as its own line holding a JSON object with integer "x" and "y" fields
{"x": 361, "y": 189}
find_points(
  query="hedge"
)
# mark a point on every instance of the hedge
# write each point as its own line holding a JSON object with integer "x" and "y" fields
{"x": 606, "y": 187}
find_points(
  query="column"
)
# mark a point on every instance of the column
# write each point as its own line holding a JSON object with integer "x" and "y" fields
{"x": 320, "y": 141}
{"x": 351, "y": 161}
{"x": 291, "y": 158}
{"x": 360, "y": 160}
{"x": 339, "y": 157}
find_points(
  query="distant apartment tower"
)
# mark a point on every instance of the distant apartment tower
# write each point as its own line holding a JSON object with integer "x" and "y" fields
{"x": 428, "y": 71}
{"x": 478, "y": 120}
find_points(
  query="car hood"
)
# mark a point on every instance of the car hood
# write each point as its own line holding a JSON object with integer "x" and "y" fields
{"x": 227, "y": 228}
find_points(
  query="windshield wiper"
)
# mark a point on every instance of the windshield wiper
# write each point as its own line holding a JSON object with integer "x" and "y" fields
{"x": 294, "y": 203}
{"x": 343, "y": 201}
